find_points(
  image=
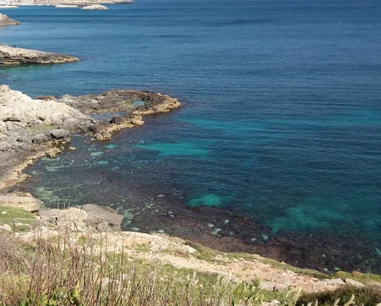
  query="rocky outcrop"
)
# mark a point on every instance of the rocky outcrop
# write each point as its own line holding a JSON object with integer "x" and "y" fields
{"x": 32, "y": 128}
{"x": 19, "y": 56}
{"x": 122, "y": 101}
{"x": 26, "y": 124}
{"x": 90, "y": 216}
{"x": 5, "y": 20}
{"x": 124, "y": 107}
{"x": 95, "y": 7}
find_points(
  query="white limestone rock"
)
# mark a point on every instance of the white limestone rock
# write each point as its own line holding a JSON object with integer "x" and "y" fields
{"x": 5, "y": 20}
{"x": 95, "y": 7}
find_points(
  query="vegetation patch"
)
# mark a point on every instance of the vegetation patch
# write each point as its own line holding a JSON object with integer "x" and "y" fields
{"x": 60, "y": 272}
{"x": 43, "y": 128}
{"x": 360, "y": 277}
{"x": 18, "y": 219}
{"x": 340, "y": 297}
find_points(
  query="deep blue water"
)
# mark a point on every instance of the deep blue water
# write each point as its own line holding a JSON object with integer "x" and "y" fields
{"x": 282, "y": 105}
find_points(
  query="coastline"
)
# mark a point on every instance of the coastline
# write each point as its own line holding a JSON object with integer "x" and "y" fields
{"x": 12, "y": 56}
{"x": 152, "y": 236}
{"x": 65, "y": 3}
{"x": 17, "y": 161}
{"x": 121, "y": 111}
{"x": 274, "y": 246}
{"x": 169, "y": 249}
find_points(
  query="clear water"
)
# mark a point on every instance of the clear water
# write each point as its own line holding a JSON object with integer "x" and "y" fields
{"x": 282, "y": 106}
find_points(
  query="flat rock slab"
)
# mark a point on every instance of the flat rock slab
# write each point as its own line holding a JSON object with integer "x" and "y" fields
{"x": 27, "y": 202}
{"x": 99, "y": 217}
{"x": 102, "y": 217}
{"x": 71, "y": 218}
{"x": 19, "y": 56}
{"x": 95, "y": 7}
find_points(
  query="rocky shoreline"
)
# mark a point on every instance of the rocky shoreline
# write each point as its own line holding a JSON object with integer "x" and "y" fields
{"x": 20, "y": 56}
{"x": 67, "y": 3}
{"x": 34, "y": 128}
{"x": 5, "y": 21}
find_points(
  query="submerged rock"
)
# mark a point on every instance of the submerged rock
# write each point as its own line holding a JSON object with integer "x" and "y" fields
{"x": 19, "y": 56}
{"x": 5, "y": 20}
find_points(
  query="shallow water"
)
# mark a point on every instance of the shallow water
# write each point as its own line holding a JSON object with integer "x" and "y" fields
{"x": 281, "y": 119}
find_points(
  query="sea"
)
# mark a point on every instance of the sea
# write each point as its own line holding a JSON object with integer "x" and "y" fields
{"x": 280, "y": 123}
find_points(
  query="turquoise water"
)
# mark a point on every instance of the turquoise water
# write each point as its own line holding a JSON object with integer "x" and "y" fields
{"x": 281, "y": 119}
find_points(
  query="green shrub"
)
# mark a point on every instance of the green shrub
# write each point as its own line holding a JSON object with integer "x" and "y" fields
{"x": 362, "y": 296}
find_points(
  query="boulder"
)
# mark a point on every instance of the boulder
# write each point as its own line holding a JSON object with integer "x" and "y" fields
{"x": 40, "y": 138}
{"x": 116, "y": 120}
{"x": 102, "y": 217}
{"x": 60, "y": 134}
